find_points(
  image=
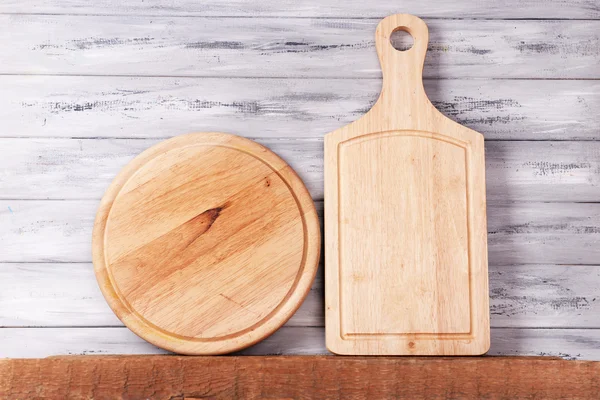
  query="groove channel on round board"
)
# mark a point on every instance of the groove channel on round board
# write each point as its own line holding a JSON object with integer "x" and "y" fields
{"x": 209, "y": 244}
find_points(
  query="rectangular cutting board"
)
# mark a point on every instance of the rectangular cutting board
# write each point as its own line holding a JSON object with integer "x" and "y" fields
{"x": 405, "y": 220}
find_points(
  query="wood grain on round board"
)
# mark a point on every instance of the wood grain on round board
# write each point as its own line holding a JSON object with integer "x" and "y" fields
{"x": 405, "y": 220}
{"x": 206, "y": 243}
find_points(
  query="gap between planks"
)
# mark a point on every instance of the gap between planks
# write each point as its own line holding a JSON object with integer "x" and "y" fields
{"x": 241, "y": 77}
{"x": 433, "y": 18}
{"x": 533, "y": 9}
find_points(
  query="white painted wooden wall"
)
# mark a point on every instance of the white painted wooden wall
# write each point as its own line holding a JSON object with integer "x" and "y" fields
{"x": 87, "y": 85}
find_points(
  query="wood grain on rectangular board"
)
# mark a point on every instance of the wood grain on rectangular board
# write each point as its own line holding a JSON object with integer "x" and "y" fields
{"x": 319, "y": 377}
{"x": 313, "y": 8}
{"x": 153, "y": 107}
{"x": 288, "y": 47}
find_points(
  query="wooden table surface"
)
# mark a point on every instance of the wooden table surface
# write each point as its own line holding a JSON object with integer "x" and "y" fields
{"x": 88, "y": 85}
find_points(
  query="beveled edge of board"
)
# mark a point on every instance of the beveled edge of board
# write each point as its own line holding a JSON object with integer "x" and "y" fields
{"x": 280, "y": 314}
{"x": 416, "y": 113}
{"x": 477, "y": 341}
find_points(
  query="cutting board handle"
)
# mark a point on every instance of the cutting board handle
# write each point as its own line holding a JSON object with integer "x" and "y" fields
{"x": 402, "y": 91}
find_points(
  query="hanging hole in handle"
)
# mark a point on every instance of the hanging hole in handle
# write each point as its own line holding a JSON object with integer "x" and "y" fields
{"x": 401, "y": 39}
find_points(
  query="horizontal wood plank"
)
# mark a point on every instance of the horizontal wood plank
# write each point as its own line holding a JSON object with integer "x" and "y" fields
{"x": 163, "y": 107}
{"x": 67, "y": 294}
{"x": 314, "y": 8}
{"x": 289, "y": 47}
{"x": 535, "y": 296}
{"x": 44, "y": 342}
{"x": 540, "y": 233}
{"x": 519, "y": 233}
{"x": 516, "y": 170}
{"x": 583, "y": 344}
{"x": 320, "y": 377}
{"x": 544, "y": 296}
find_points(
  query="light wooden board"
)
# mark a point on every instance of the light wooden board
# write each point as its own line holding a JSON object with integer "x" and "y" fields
{"x": 518, "y": 233}
{"x": 581, "y": 344}
{"x": 314, "y": 8}
{"x": 290, "y": 47}
{"x": 206, "y": 243}
{"x": 405, "y": 220}
{"x": 317, "y": 377}
{"x": 75, "y": 106}
{"x": 515, "y": 170}
{"x": 532, "y": 296}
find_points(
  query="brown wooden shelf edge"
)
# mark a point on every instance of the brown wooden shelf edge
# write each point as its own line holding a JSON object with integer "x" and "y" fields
{"x": 321, "y": 377}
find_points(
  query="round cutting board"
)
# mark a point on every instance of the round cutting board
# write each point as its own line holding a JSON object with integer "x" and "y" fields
{"x": 206, "y": 243}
